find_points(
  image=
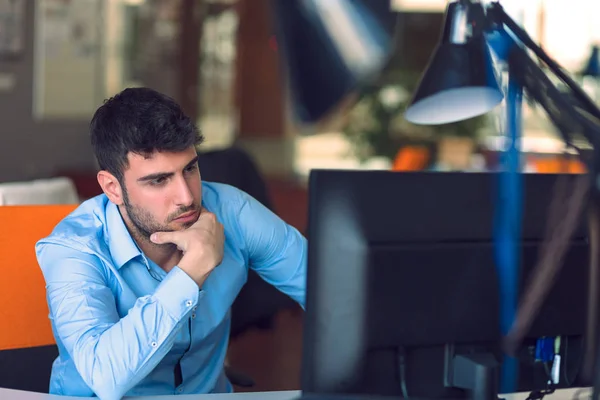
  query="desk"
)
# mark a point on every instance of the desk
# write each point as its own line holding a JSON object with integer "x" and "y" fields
{"x": 9, "y": 394}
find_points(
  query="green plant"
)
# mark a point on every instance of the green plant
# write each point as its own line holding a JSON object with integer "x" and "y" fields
{"x": 375, "y": 125}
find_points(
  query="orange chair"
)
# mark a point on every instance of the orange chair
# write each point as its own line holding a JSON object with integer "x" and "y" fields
{"x": 27, "y": 345}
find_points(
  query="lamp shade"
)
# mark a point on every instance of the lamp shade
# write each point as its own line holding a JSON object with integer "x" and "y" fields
{"x": 329, "y": 48}
{"x": 460, "y": 81}
{"x": 592, "y": 68}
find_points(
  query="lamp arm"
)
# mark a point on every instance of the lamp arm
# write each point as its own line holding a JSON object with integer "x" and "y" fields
{"x": 570, "y": 119}
{"x": 566, "y": 116}
{"x": 499, "y": 17}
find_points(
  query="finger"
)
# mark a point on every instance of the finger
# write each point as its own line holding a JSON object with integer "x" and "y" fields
{"x": 164, "y": 237}
{"x": 207, "y": 215}
{"x": 206, "y": 219}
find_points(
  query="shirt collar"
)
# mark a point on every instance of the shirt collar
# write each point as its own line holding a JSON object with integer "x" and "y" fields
{"x": 120, "y": 243}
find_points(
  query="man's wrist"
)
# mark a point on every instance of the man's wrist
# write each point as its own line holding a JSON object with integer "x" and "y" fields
{"x": 178, "y": 293}
{"x": 193, "y": 269}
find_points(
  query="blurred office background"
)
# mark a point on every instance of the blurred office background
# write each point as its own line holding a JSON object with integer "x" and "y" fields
{"x": 59, "y": 59}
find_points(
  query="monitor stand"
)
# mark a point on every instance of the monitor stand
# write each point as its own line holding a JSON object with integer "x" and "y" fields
{"x": 477, "y": 373}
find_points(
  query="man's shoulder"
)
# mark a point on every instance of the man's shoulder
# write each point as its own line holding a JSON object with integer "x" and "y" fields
{"x": 221, "y": 188}
{"x": 222, "y": 194}
{"x": 82, "y": 229}
{"x": 227, "y": 203}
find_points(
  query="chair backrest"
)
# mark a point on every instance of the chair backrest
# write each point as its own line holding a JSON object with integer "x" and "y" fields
{"x": 26, "y": 340}
{"x": 59, "y": 190}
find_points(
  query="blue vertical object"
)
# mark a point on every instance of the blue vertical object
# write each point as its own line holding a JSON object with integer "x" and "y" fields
{"x": 508, "y": 227}
{"x": 507, "y": 233}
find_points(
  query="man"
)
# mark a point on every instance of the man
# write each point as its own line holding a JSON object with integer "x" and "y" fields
{"x": 140, "y": 279}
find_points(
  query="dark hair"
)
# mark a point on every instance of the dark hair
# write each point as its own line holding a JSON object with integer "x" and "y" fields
{"x": 141, "y": 121}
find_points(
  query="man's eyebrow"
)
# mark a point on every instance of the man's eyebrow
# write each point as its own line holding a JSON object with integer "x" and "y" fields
{"x": 194, "y": 161}
{"x": 159, "y": 175}
{"x": 155, "y": 176}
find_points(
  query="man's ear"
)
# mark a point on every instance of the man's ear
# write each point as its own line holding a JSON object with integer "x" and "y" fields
{"x": 111, "y": 187}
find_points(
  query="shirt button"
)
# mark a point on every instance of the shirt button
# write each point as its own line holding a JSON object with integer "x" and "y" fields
{"x": 193, "y": 316}
{"x": 194, "y": 309}
{"x": 153, "y": 344}
{"x": 180, "y": 390}
{"x": 189, "y": 303}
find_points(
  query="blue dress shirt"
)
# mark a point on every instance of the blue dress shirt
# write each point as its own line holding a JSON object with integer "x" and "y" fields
{"x": 122, "y": 324}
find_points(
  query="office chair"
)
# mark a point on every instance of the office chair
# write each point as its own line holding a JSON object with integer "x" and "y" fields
{"x": 27, "y": 346}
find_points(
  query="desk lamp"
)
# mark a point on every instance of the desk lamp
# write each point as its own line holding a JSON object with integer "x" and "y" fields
{"x": 460, "y": 83}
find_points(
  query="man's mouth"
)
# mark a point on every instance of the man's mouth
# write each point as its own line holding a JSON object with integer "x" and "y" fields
{"x": 187, "y": 216}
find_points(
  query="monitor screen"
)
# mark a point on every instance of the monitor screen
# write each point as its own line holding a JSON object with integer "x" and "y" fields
{"x": 402, "y": 291}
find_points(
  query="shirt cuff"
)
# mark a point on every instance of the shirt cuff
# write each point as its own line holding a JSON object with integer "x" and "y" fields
{"x": 177, "y": 293}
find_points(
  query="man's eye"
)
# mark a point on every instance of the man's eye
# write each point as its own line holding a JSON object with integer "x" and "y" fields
{"x": 158, "y": 181}
{"x": 192, "y": 167}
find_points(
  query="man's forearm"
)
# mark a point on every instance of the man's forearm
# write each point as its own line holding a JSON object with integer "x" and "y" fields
{"x": 113, "y": 357}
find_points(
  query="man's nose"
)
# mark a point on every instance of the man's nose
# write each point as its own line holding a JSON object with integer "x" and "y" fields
{"x": 184, "y": 196}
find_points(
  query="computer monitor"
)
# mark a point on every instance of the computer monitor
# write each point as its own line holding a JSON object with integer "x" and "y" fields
{"x": 402, "y": 291}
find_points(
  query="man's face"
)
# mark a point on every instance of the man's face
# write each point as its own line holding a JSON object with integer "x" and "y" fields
{"x": 162, "y": 192}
